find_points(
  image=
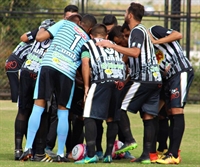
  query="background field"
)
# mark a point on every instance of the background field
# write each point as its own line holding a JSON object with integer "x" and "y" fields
{"x": 190, "y": 148}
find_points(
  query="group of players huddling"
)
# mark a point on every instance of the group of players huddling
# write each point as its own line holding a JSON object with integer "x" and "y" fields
{"x": 77, "y": 72}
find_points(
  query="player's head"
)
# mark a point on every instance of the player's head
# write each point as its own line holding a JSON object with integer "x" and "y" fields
{"x": 69, "y": 10}
{"x": 110, "y": 21}
{"x": 125, "y": 31}
{"x": 99, "y": 31}
{"x": 76, "y": 18}
{"x": 88, "y": 21}
{"x": 116, "y": 35}
{"x": 135, "y": 11}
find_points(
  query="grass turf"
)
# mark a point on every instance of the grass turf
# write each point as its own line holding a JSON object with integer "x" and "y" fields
{"x": 190, "y": 147}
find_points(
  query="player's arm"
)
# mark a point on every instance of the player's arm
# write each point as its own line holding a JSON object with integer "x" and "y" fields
{"x": 24, "y": 38}
{"x": 29, "y": 36}
{"x": 42, "y": 35}
{"x": 160, "y": 35}
{"x": 85, "y": 56}
{"x": 133, "y": 52}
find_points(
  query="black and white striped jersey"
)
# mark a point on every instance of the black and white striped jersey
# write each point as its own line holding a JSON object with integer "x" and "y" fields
{"x": 144, "y": 68}
{"x": 106, "y": 63}
{"x": 169, "y": 54}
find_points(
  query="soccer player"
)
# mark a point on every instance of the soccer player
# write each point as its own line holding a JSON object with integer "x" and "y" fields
{"x": 57, "y": 75}
{"x": 69, "y": 10}
{"x": 177, "y": 75}
{"x": 110, "y": 21}
{"x": 107, "y": 73}
{"x": 143, "y": 89}
{"x": 116, "y": 35}
{"x": 28, "y": 75}
{"x": 15, "y": 61}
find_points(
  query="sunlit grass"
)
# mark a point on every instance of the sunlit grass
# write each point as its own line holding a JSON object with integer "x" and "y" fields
{"x": 190, "y": 147}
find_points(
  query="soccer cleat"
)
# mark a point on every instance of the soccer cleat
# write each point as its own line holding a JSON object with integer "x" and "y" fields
{"x": 61, "y": 159}
{"x": 141, "y": 160}
{"x": 107, "y": 159}
{"x": 50, "y": 153}
{"x": 99, "y": 154}
{"x": 128, "y": 155}
{"x": 42, "y": 158}
{"x": 69, "y": 155}
{"x": 153, "y": 157}
{"x": 88, "y": 160}
{"x": 18, "y": 153}
{"x": 126, "y": 147}
{"x": 161, "y": 154}
{"x": 26, "y": 155}
{"x": 169, "y": 159}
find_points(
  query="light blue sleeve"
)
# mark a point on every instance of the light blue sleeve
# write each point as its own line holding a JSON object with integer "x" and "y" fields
{"x": 55, "y": 28}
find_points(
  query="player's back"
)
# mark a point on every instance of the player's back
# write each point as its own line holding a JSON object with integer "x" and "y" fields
{"x": 64, "y": 52}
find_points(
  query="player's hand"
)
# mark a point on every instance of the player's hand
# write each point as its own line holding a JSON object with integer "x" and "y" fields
{"x": 86, "y": 93}
{"x": 104, "y": 43}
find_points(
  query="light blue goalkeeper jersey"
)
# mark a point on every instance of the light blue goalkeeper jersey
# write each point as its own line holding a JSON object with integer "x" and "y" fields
{"x": 64, "y": 51}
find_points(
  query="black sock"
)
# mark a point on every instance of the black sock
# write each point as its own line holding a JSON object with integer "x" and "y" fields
{"x": 149, "y": 132}
{"x": 20, "y": 131}
{"x": 77, "y": 135}
{"x": 90, "y": 135}
{"x": 156, "y": 126}
{"x": 171, "y": 127}
{"x": 124, "y": 125}
{"x": 68, "y": 143}
{"x": 163, "y": 134}
{"x": 41, "y": 135}
{"x": 112, "y": 129}
{"x": 21, "y": 122}
{"x": 178, "y": 130}
{"x": 99, "y": 124}
{"x": 121, "y": 136}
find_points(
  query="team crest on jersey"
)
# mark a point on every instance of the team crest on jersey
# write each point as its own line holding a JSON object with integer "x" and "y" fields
{"x": 80, "y": 32}
{"x": 175, "y": 93}
{"x": 159, "y": 56}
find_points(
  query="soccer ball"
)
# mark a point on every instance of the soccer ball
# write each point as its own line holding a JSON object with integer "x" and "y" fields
{"x": 117, "y": 145}
{"x": 79, "y": 152}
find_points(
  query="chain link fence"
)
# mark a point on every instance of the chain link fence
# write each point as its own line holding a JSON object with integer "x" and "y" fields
{"x": 16, "y": 19}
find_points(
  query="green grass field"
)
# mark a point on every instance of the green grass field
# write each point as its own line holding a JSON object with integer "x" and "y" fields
{"x": 190, "y": 147}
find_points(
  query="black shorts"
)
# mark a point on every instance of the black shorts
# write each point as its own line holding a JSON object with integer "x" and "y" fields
{"x": 103, "y": 101}
{"x": 13, "y": 63}
{"x": 13, "y": 78}
{"x": 143, "y": 97}
{"x": 77, "y": 101}
{"x": 27, "y": 85}
{"x": 176, "y": 89}
{"x": 51, "y": 81}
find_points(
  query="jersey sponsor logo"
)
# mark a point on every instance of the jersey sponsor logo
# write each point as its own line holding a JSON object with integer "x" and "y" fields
{"x": 175, "y": 93}
{"x": 80, "y": 32}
